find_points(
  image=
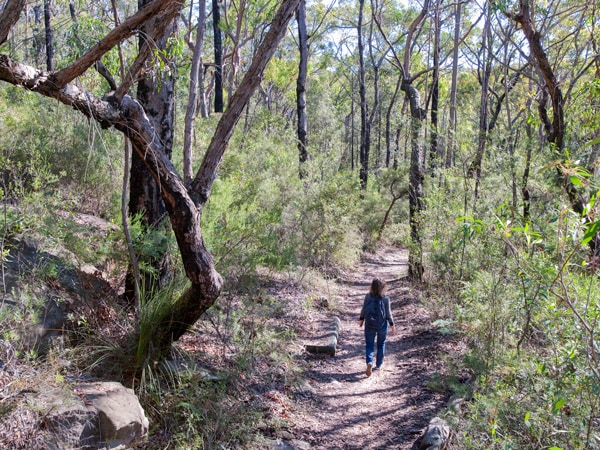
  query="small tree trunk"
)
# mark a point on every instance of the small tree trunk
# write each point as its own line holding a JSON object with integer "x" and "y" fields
{"x": 417, "y": 159}
{"x": 301, "y": 88}
{"x": 218, "y": 47}
{"x": 435, "y": 91}
{"x": 155, "y": 92}
{"x": 450, "y": 150}
{"x": 49, "y": 36}
{"x": 486, "y": 67}
{"x": 196, "y": 79}
{"x": 388, "y": 126}
{"x": 365, "y": 132}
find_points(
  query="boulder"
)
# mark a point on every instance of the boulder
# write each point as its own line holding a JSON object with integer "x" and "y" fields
{"x": 95, "y": 415}
{"x": 121, "y": 418}
{"x": 435, "y": 436}
{"x": 67, "y": 421}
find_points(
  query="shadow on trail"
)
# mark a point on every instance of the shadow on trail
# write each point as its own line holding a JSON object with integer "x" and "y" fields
{"x": 390, "y": 409}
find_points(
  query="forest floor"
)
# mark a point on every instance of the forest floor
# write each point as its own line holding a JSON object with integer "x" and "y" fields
{"x": 345, "y": 409}
{"x": 331, "y": 403}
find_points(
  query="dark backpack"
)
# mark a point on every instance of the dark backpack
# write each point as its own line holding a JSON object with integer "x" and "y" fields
{"x": 375, "y": 316}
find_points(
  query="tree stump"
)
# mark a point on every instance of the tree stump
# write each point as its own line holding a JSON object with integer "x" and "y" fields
{"x": 332, "y": 339}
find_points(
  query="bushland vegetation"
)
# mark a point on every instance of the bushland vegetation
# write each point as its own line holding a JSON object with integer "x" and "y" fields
{"x": 467, "y": 132}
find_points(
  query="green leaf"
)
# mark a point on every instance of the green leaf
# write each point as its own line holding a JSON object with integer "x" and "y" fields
{"x": 592, "y": 142}
{"x": 576, "y": 181}
{"x": 557, "y": 405}
{"x": 591, "y": 232}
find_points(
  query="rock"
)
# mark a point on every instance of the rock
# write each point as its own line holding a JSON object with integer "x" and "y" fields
{"x": 67, "y": 420}
{"x": 284, "y": 434}
{"x": 122, "y": 418}
{"x": 300, "y": 445}
{"x": 103, "y": 415}
{"x": 295, "y": 444}
{"x": 455, "y": 404}
{"x": 436, "y": 435}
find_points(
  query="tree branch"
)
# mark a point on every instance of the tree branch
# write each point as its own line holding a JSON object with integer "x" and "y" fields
{"x": 35, "y": 80}
{"x": 202, "y": 185}
{"x": 158, "y": 30}
{"x": 118, "y": 34}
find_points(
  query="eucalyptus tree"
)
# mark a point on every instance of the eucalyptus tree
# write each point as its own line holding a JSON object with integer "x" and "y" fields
{"x": 417, "y": 155}
{"x": 49, "y": 36}
{"x": 302, "y": 126}
{"x": 434, "y": 152}
{"x": 418, "y": 114}
{"x": 184, "y": 202}
{"x": 156, "y": 95}
{"x": 365, "y": 133}
{"x": 561, "y": 50}
{"x": 376, "y": 57}
{"x": 218, "y": 53}
{"x": 243, "y": 23}
{"x": 196, "y": 92}
{"x": 450, "y": 147}
{"x": 484, "y": 72}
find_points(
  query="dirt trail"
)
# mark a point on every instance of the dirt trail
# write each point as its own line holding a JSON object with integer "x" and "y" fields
{"x": 389, "y": 410}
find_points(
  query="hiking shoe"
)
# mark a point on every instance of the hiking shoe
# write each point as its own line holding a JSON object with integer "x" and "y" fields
{"x": 369, "y": 369}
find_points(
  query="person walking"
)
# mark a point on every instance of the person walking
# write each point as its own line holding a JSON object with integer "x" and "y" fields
{"x": 375, "y": 316}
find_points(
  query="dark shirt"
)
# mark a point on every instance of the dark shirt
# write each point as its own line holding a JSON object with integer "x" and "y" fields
{"x": 386, "y": 306}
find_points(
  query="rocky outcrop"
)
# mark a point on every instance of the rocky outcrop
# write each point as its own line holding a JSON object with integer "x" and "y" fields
{"x": 94, "y": 415}
{"x": 57, "y": 289}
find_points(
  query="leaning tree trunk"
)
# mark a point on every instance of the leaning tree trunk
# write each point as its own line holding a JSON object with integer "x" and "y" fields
{"x": 555, "y": 128}
{"x": 184, "y": 205}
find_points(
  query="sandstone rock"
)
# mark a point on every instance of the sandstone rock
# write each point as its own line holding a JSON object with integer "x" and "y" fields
{"x": 121, "y": 417}
{"x": 436, "y": 435}
{"x": 97, "y": 415}
{"x": 69, "y": 423}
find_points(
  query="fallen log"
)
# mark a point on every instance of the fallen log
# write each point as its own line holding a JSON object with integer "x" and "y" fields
{"x": 332, "y": 340}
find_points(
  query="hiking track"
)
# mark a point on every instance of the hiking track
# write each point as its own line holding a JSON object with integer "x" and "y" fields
{"x": 343, "y": 408}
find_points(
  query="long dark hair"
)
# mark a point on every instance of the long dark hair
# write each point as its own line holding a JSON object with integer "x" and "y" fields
{"x": 378, "y": 287}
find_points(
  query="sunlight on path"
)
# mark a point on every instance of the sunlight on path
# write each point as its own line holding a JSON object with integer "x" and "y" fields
{"x": 389, "y": 409}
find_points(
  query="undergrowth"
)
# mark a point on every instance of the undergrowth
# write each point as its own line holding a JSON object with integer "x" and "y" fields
{"x": 526, "y": 300}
